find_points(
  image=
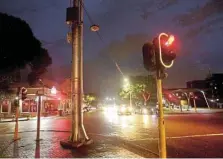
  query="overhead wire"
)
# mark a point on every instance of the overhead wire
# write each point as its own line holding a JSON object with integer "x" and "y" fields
{"x": 99, "y": 35}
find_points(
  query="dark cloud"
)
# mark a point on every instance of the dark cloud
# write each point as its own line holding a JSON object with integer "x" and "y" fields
{"x": 208, "y": 27}
{"x": 121, "y": 50}
{"x": 144, "y": 8}
{"x": 200, "y": 13}
{"x": 28, "y": 7}
{"x": 164, "y": 4}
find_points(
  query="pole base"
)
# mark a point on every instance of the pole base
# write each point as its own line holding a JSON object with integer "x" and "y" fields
{"x": 88, "y": 142}
{"x": 70, "y": 144}
{"x": 18, "y": 138}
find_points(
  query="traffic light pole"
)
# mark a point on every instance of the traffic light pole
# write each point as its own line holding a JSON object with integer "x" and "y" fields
{"x": 161, "y": 123}
{"x": 157, "y": 56}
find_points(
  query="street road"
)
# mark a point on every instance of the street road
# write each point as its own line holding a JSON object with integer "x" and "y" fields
{"x": 188, "y": 135}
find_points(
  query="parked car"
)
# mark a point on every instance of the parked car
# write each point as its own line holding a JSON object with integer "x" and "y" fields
{"x": 86, "y": 109}
{"x": 125, "y": 110}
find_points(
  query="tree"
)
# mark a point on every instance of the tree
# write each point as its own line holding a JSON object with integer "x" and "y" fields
{"x": 89, "y": 99}
{"x": 140, "y": 87}
{"x": 20, "y": 48}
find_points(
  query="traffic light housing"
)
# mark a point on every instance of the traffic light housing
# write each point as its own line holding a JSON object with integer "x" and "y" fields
{"x": 23, "y": 93}
{"x": 165, "y": 48}
{"x": 149, "y": 56}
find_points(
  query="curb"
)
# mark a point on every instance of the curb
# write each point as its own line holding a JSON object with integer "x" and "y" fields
{"x": 31, "y": 118}
{"x": 12, "y": 120}
{"x": 192, "y": 113}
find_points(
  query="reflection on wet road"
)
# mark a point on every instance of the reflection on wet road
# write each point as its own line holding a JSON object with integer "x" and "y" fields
{"x": 184, "y": 132}
{"x": 130, "y": 121}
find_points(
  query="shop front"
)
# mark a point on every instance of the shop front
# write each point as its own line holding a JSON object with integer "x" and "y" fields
{"x": 50, "y": 104}
{"x": 51, "y": 107}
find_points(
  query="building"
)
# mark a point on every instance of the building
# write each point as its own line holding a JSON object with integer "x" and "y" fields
{"x": 51, "y": 102}
{"x": 215, "y": 85}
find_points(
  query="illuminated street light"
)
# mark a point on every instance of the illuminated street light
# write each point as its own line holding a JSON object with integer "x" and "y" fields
{"x": 94, "y": 28}
{"x": 126, "y": 80}
{"x": 53, "y": 90}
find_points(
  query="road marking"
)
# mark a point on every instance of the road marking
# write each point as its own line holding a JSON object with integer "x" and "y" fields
{"x": 180, "y": 137}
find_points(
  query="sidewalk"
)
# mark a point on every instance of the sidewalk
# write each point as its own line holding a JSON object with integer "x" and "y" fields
{"x": 192, "y": 111}
{"x": 49, "y": 147}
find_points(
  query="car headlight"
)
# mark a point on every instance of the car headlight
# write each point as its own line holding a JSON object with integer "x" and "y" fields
{"x": 123, "y": 109}
{"x": 145, "y": 111}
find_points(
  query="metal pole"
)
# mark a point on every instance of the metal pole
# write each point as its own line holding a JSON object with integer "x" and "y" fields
{"x": 205, "y": 99}
{"x": 188, "y": 101}
{"x": 38, "y": 119}
{"x": 75, "y": 80}
{"x": 195, "y": 106}
{"x": 162, "y": 133}
{"x": 80, "y": 30}
{"x": 16, "y": 133}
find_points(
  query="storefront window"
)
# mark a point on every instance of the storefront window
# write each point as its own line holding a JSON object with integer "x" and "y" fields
{"x": 26, "y": 106}
{"x": 33, "y": 106}
{"x": 5, "y": 106}
{"x": 51, "y": 106}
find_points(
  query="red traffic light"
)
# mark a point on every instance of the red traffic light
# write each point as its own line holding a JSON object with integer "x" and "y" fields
{"x": 170, "y": 40}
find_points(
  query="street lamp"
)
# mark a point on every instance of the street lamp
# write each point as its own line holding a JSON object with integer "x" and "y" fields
{"x": 53, "y": 90}
{"x": 126, "y": 80}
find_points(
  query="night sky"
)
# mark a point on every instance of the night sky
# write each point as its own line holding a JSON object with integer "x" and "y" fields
{"x": 124, "y": 26}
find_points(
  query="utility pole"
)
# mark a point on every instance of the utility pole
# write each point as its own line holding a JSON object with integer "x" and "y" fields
{"x": 81, "y": 39}
{"x": 75, "y": 18}
{"x": 75, "y": 78}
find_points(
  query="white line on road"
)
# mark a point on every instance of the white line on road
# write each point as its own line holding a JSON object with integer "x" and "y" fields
{"x": 180, "y": 137}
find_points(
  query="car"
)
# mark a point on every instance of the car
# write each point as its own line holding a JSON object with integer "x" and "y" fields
{"x": 145, "y": 110}
{"x": 125, "y": 110}
{"x": 86, "y": 109}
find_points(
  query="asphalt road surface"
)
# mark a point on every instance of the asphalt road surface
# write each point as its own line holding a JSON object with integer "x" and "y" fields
{"x": 188, "y": 135}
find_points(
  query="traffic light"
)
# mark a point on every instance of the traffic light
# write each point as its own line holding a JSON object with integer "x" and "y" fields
{"x": 165, "y": 48}
{"x": 23, "y": 93}
{"x": 149, "y": 56}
